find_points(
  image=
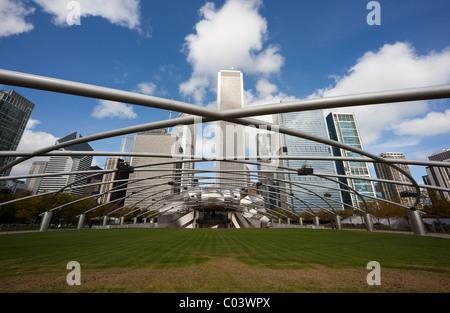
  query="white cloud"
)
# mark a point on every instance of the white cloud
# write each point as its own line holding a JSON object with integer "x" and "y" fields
{"x": 12, "y": 18}
{"x": 232, "y": 36}
{"x": 110, "y": 109}
{"x": 31, "y": 141}
{"x": 147, "y": 88}
{"x": 120, "y": 12}
{"x": 434, "y": 123}
{"x": 393, "y": 66}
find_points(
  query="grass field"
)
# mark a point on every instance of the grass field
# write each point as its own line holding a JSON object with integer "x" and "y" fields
{"x": 223, "y": 260}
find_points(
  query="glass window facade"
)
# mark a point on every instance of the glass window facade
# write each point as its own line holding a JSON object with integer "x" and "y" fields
{"x": 309, "y": 190}
{"x": 15, "y": 112}
{"x": 342, "y": 127}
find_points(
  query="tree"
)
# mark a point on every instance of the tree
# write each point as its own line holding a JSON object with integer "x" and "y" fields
{"x": 388, "y": 211}
{"x": 439, "y": 209}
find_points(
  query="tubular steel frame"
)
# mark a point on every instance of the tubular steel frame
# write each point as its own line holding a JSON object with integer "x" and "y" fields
{"x": 242, "y": 116}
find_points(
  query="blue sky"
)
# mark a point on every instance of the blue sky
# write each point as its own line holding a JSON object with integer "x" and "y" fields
{"x": 286, "y": 50}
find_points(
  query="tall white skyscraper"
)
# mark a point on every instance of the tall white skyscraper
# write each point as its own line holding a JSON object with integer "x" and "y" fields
{"x": 231, "y": 139}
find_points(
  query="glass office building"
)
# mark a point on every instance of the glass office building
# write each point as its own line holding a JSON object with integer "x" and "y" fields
{"x": 15, "y": 111}
{"x": 310, "y": 191}
{"x": 342, "y": 127}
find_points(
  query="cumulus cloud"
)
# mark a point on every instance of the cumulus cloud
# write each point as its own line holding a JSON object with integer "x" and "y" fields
{"x": 434, "y": 123}
{"x": 230, "y": 37}
{"x": 125, "y": 13}
{"x": 120, "y": 12}
{"x": 111, "y": 109}
{"x": 393, "y": 66}
{"x": 32, "y": 140}
{"x": 13, "y": 16}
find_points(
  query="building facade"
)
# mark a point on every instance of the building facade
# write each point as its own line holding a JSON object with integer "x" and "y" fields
{"x": 309, "y": 191}
{"x": 67, "y": 164}
{"x": 439, "y": 176}
{"x": 343, "y": 128}
{"x": 149, "y": 183}
{"x": 127, "y": 146}
{"x": 114, "y": 184}
{"x": 33, "y": 184}
{"x": 393, "y": 191}
{"x": 231, "y": 137}
{"x": 185, "y": 148}
{"x": 15, "y": 111}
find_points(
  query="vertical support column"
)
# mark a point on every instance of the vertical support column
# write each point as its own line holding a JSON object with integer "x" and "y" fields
{"x": 134, "y": 220}
{"x": 105, "y": 220}
{"x": 81, "y": 221}
{"x": 416, "y": 222}
{"x": 122, "y": 219}
{"x": 337, "y": 219}
{"x": 316, "y": 221}
{"x": 197, "y": 215}
{"x": 300, "y": 221}
{"x": 145, "y": 220}
{"x": 368, "y": 222}
{"x": 46, "y": 221}
{"x": 289, "y": 221}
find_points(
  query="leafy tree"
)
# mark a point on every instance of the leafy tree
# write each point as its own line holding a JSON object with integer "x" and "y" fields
{"x": 388, "y": 211}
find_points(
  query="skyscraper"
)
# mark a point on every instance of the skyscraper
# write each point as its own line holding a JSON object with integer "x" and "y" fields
{"x": 393, "y": 191}
{"x": 342, "y": 127}
{"x": 38, "y": 167}
{"x": 186, "y": 140}
{"x": 144, "y": 191}
{"x": 15, "y": 111}
{"x": 314, "y": 187}
{"x": 114, "y": 184}
{"x": 439, "y": 176}
{"x": 127, "y": 146}
{"x": 231, "y": 143}
{"x": 75, "y": 163}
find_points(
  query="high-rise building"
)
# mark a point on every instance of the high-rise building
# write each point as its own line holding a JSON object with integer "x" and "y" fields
{"x": 272, "y": 180}
{"x": 392, "y": 191}
{"x": 93, "y": 182}
{"x": 315, "y": 189}
{"x": 67, "y": 164}
{"x": 127, "y": 146}
{"x": 439, "y": 176}
{"x": 186, "y": 140}
{"x": 231, "y": 141}
{"x": 38, "y": 167}
{"x": 145, "y": 189}
{"x": 114, "y": 184}
{"x": 15, "y": 111}
{"x": 343, "y": 128}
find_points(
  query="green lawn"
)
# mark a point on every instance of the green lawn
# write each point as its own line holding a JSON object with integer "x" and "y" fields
{"x": 29, "y": 261}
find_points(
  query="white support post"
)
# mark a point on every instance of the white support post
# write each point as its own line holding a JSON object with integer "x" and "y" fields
{"x": 46, "y": 221}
